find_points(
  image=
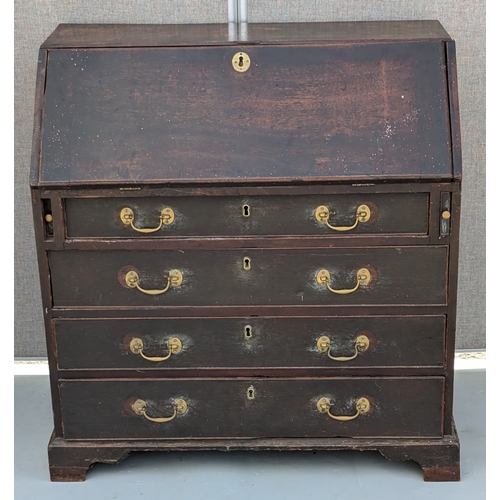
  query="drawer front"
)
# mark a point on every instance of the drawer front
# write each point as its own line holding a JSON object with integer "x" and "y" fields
{"x": 363, "y": 276}
{"x": 333, "y": 342}
{"x": 253, "y": 215}
{"x": 410, "y": 407}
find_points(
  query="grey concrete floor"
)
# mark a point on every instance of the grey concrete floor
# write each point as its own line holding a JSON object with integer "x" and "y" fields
{"x": 346, "y": 475}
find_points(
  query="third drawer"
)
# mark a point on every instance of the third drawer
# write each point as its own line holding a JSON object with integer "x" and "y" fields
{"x": 370, "y": 341}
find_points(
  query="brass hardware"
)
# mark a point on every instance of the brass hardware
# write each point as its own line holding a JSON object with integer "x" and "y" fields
{"x": 174, "y": 278}
{"x": 246, "y": 263}
{"x": 245, "y": 210}
{"x": 180, "y": 407}
{"x": 361, "y": 345}
{"x": 48, "y": 218}
{"x": 174, "y": 346}
{"x": 241, "y": 61}
{"x": 251, "y": 392}
{"x": 362, "y": 406}
{"x": 363, "y": 277}
{"x": 322, "y": 213}
{"x": 446, "y": 215}
{"x": 248, "y": 332}
{"x": 127, "y": 216}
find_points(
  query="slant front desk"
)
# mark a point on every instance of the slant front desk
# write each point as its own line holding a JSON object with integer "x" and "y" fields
{"x": 249, "y": 244}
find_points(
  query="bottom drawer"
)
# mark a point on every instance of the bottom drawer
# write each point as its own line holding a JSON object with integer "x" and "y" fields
{"x": 225, "y": 408}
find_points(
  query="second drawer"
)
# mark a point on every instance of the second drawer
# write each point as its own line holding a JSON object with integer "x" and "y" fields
{"x": 251, "y": 277}
{"x": 251, "y": 342}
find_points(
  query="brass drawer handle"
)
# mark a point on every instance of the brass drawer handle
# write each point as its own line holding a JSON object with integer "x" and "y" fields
{"x": 174, "y": 279}
{"x": 362, "y": 406}
{"x": 361, "y": 345}
{"x": 180, "y": 407}
{"x": 363, "y": 278}
{"x": 363, "y": 214}
{"x": 174, "y": 347}
{"x": 127, "y": 216}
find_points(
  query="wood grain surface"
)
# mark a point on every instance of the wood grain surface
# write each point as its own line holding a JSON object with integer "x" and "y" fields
{"x": 401, "y": 407}
{"x": 401, "y": 275}
{"x": 299, "y": 113}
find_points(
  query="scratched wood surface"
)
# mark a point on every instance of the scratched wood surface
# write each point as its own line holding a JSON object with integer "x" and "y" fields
{"x": 251, "y": 342}
{"x": 406, "y": 275}
{"x": 328, "y": 113}
{"x": 299, "y": 113}
{"x": 280, "y": 408}
{"x": 247, "y": 215}
{"x": 149, "y": 35}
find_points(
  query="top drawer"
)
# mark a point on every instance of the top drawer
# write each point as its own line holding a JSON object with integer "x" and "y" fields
{"x": 333, "y": 214}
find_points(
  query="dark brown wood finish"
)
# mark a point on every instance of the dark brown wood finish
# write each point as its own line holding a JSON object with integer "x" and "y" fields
{"x": 401, "y": 213}
{"x": 406, "y": 275}
{"x": 279, "y": 408}
{"x": 439, "y": 458}
{"x": 251, "y": 342}
{"x": 452, "y": 316}
{"x": 254, "y": 126}
{"x": 46, "y": 294}
{"x": 37, "y": 116}
{"x": 147, "y": 35}
{"x": 334, "y": 114}
{"x": 456, "y": 139}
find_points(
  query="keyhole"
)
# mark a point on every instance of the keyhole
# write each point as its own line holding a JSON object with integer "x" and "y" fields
{"x": 246, "y": 263}
{"x": 240, "y": 62}
{"x": 248, "y": 332}
{"x": 246, "y": 210}
{"x": 251, "y": 393}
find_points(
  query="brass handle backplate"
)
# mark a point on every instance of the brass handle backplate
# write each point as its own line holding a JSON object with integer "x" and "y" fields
{"x": 322, "y": 213}
{"x": 241, "y": 61}
{"x": 363, "y": 278}
{"x": 361, "y": 345}
{"x": 174, "y": 279}
{"x": 127, "y": 216}
{"x": 174, "y": 346}
{"x": 362, "y": 406}
{"x": 140, "y": 408}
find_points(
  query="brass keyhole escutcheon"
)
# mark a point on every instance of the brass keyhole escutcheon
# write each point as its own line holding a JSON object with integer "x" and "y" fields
{"x": 251, "y": 392}
{"x": 248, "y": 332}
{"x": 245, "y": 210}
{"x": 246, "y": 263}
{"x": 241, "y": 62}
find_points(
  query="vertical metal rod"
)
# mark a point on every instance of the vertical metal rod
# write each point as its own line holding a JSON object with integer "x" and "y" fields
{"x": 242, "y": 11}
{"x": 237, "y": 11}
{"x": 232, "y": 11}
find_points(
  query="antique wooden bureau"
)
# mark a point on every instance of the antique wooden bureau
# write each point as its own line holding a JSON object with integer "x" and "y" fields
{"x": 248, "y": 239}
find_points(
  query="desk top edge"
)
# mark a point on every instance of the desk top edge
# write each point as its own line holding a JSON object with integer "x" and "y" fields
{"x": 164, "y": 35}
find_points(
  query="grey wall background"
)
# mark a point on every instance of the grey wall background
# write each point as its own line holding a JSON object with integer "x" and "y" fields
{"x": 463, "y": 19}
